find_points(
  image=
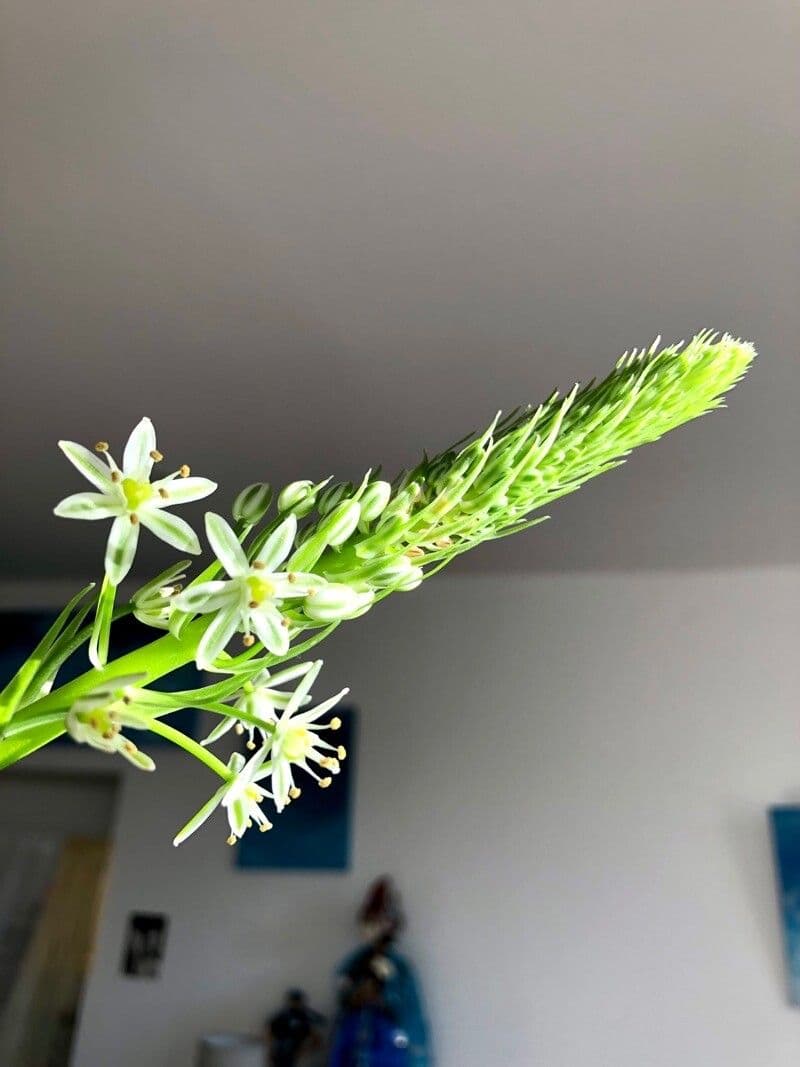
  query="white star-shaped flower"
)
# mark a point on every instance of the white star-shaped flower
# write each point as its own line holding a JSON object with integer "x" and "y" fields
{"x": 251, "y": 600}
{"x": 241, "y": 797}
{"x": 97, "y": 719}
{"x": 295, "y": 742}
{"x": 130, "y": 499}
{"x": 259, "y": 700}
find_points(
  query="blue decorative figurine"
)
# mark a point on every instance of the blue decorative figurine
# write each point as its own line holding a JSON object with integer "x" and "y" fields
{"x": 381, "y": 1022}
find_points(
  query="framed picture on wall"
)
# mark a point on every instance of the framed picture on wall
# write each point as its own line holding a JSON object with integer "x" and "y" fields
{"x": 786, "y": 843}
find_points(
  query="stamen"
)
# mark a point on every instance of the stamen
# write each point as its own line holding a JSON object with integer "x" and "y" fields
{"x": 250, "y": 745}
{"x": 253, "y": 604}
{"x": 285, "y": 624}
{"x": 310, "y": 593}
{"x": 134, "y": 519}
{"x": 443, "y": 542}
{"x": 248, "y": 640}
{"x": 341, "y": 752}
{"x": 162, "y": 492}
{"x": 101, "y": 446}
{"x": 156, "y": 456}
{"x": 232, "y": 839}
{"x": 291, "y": 577}
{"x": 335, "y": 723}
{"x": 415, "y": 552}
{"x": 265, "y": 826}
{"x": 294, "y": 792}
{"x": 258, "y": 565}
{"x": 238, "y": 729}
{"x": 115, "y": 476}
{"x": 185, "y": 470}
{"x": 325, "y": 782}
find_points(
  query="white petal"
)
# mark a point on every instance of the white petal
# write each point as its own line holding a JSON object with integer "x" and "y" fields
{"x": 88, "y": 506}
{"x": 306, "y": 717}
{"x": 172, "y": 529}
{"x": 237, "y": 815}
{"x": 297, "y": 696}
{"x": 282, "y": 782}
{"x": 121, "y": 548}
{"x": 134, "y": 755}
{"x": 216, "y": 637}
{"x": 222, "y": 727}
{"x": 136, "y": 459}
{"x": 226, "y": 546}
{"x": 267, "y": 622}
{"x": 88, "y": 464}
{"x": 207, "y": 597}
{"x": 278, "y": 545}
{"x": 181, "y": 490}
{"x": 200, "y": 817}
{"x": 288, "y": 674}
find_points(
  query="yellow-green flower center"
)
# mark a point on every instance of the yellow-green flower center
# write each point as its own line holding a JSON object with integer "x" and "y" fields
{"x": 297, "y": 742}
{"x": 260, "y": 589}
{"x": 101, "y": 721}
{"x": 136, "y": 493}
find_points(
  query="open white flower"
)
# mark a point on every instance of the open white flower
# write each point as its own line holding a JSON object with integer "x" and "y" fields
{"x": 241, "y": 797}
{"x": 259, "y": 700}
{"x": 97, "y": 719}
{"x": 296, "y": 742}
{"x": 251, "y": 600}
{"x": 130, "y": 499}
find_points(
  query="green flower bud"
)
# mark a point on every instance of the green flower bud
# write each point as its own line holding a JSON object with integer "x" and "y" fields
{"x": 297, "y": 498}
{"x": 376, "y": 497}
{"x": 252, "y": 504}
{"x": 335, "y": 601}
{"x": 340, "y": 523}
{"x": 400, "y": 573}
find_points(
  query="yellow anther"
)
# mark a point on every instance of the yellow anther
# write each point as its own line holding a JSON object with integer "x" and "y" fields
{"x": 115, "y": 476}
{"x": 415, "y": 552}
{"x": 291, "y": 577}
{"x": 443, "y": 542}
{"x": 253, "y": 604}
{"x": 341, "y": 752}
{"x": 335, "y": 723}
{"x": 185, "y": 470}
{"x": 156, "y": 456}
{"x": 134, "y": 519}
{"x": 258, "y": 565}
{"x": 232, "y": 839}
{"x": 285, "y": 624}
{"x": 248, "y": 640}
{"x": 294, "y": 792}
{"x": 325, "y": 782}
{"x": 239, "y": 729}
{"x": 101, "y": 446}
{"x": 265, "y": 826}
{"x": 250, "y": 745}
{"x": 162, "y": 492}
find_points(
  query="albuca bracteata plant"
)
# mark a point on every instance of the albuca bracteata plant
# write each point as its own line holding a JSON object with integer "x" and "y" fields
{"x": 284, "y": 578}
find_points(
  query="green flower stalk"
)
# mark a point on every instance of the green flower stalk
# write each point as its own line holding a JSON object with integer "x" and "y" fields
{"x": 329, "y": 553}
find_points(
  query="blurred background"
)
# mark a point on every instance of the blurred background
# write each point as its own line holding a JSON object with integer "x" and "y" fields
{"x": 308, "y": 238}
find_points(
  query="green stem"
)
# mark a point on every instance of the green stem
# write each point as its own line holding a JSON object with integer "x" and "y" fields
{"x": 191, "y": 746}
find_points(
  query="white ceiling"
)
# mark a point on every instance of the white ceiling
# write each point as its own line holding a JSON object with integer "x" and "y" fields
{"x": 306, "y": 238}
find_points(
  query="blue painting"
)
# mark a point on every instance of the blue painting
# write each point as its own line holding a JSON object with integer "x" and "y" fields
{"x": 20, "y": 631}
{"x": 786, "y": 843}
{"x": 313, "y": 833}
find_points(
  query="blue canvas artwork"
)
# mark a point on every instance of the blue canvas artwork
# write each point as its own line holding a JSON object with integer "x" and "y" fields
{"x": 20, "y": 631}
{"x": 313, "y": 833}
{"x": 786, "y": 843}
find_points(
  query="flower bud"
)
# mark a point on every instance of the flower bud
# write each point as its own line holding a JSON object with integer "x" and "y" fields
{"x": 339, "y": 524}
{"x": 400, "y": 574}
{"x": 376, "y": 497}
{"x": 297, "y": 498}
{"x": 252, "y": 504}
{"x": 335, "y": 601}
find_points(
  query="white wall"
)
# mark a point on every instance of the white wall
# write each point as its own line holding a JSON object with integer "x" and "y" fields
{"x": 569, "y": 776}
